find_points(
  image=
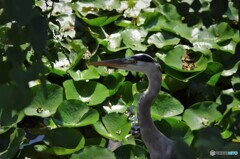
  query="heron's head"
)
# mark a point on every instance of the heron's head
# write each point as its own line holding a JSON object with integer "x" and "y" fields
{"x": 139, "y": 62}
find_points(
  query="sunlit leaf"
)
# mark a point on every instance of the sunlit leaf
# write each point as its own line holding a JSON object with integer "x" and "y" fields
{"x": 133, "y": 38}
{"x": 101, "y": 21}
{"x": 166, "y": 106}
{"x": 74, "y": 113}
{"x": 87, "y": 74}
{"x": 201, "y": 115}
{"x": 163, "y": 39}
{"x": 92, "y": 93}
{"x": 45, "y": 102}
{"x": 113, "y": 126}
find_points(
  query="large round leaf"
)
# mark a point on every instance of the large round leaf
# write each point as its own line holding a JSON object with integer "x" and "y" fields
{"x": 113, "y": 126}
{"x": 74, "y": 113}
{"x": 95, "y": 152}
{"x": 126, "y": 93}
{"x": 133, "y": 39}
{"x": 163, "y": 39}
{"x": 202, "y": 114}
{"x": 131, "y": 152}
{"x": 174, "y": 60}
{"x": 90, "y": 73}
{"x": 62, "y": 141}
{"x": 113, "y": 82}
{"x": 92, "y": 93}
{"x": 45, "y": 102}
{"x": 62, "y": 61}
{"x": 166, "y": 106}
{"x": 175, "y": 129}
{"x": 100, "y": 21}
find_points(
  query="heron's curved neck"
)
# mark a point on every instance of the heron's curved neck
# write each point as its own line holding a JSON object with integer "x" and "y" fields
{"x": 159, "y": 146}
{"x": 146, "y": 124}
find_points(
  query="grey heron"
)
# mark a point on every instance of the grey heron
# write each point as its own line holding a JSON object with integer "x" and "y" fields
{"x": 159, "y": 146}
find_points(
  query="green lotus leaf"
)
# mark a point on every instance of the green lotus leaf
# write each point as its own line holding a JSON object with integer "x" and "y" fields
{"x": 175, "y": 129}
{"x": 115, "y": 42}
{"x": 214, "y": 69}
{"x": 231, "y": 71}
{"x": 172, "y": 84}
{"x": 134, "y": 8}
{"x": 126, "y": 93}
{"x": 90, "y": 73}
{"x": 182, "y": 30}
{"x": 230, "y": 98}
{"x": 131, "y": 152}
{"x": 113, "y": 82}
{"x": 45, "y": 102}
{"x": 222, "y": 32}
{"x": 170, "y": 11}
{"x": 74, "y": 113}
{"x": 96, "y": 141}
{"x": 174, "y": 60}
{"x": 113, "y": 126}
{"x": 166, "y": 106}
{"x": 61, "y": 62}
{"x": 95, "y": 152}
{"x": 10, "y": 142}
{"x": 162, "y": 39}
{"x": 92, "y": 93}
{"x": 61, "y": 141}
{"x": 153, "y": 21}
{"x": 92, "y": 7}
{"x": 100, "y": 21}
{"x": 133, "y": 39}
{"x": 201, "y": 115}
{"x": 117, "y": 108}
{"x": 181, "y": 76}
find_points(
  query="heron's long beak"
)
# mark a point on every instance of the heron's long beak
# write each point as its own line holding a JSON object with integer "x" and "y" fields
{"x": 115, "y": 63}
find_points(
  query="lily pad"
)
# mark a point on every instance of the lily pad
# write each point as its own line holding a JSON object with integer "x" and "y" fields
{"x": 74, "y": 113}
{"x": 201, "y": 115}
{"x": 133, "y": 39}
{"x": 113, "y": 126}
{"x": 131, "y": 152}
{"x": 126, "y": 93}
{"x": 175, "y": 129}
{"x": 174, "y": 60}
{"x": 62, "y": 141}
{"x": 61, "y": 62}
{"x": 166, "y": 106}
{"x": 90, "y": 73}
{"x": 113, "y": 82}
{"x": 230, "y": 99}
{"x": 162, "y": 39}
{"x": 100, "y": 21}
{"x": 92, "y": 93}
{"x": 44, "y": 106}
{"x": 95, "y": 152}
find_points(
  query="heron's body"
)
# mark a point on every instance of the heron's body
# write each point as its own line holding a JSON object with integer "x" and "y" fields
{"x": 159, "y": 146}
